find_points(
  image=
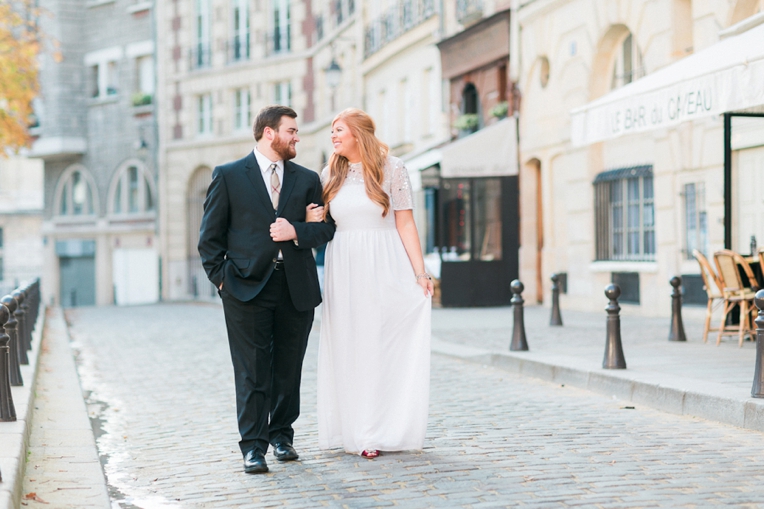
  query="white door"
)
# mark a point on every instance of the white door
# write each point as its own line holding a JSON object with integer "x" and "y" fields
{"x": 750, "y": 199}
{"x": 135, "y": 276}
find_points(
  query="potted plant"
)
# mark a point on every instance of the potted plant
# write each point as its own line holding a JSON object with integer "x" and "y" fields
{"x": 141, "y": 99}
{"x": 467, "y": 122}
{"x": 500, "y": 110}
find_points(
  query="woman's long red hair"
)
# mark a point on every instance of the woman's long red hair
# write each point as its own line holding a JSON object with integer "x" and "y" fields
{"x": 373, "y": 157}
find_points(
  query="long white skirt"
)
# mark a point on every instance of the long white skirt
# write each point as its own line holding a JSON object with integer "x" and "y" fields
{"x": 374, "y": 350}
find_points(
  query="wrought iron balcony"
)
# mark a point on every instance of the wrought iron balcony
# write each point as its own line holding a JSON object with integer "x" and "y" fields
{"x": 238, "y": 48}
{"x": 399, "y": 19}
{"x": 200, "y": 56}
{"x": 278, "y": 41}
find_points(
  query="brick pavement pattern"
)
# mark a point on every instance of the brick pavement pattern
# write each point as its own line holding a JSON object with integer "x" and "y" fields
{"x": 160, "y": 383}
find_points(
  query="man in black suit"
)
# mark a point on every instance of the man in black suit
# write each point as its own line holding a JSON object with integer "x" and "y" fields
{"x": 256, "y": 248}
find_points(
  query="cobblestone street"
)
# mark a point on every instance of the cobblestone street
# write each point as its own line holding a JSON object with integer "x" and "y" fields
{"x": 159, "y": 384}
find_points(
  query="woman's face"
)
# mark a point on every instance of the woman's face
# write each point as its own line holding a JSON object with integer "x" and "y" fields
{"x": 344, "y": 142}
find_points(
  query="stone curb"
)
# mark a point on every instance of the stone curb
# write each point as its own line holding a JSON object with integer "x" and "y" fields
{"x": 14, "y": 436}
{"x": 668, "y": 393}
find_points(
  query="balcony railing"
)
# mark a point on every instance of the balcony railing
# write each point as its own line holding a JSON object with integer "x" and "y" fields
{"x": 278, "y": 41}
{"x": 468, "y": 11}
{"x": 238, "y": 48}
{"x": 399, "y": 19}
{"x": 200, "y": 56}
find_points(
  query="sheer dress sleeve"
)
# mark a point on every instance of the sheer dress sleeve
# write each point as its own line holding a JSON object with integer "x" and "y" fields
{"x": 401, "y": 195}
{"x": 324, "y": 175}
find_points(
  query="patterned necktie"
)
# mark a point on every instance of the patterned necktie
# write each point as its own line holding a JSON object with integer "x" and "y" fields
{"x": 275, "y": 187}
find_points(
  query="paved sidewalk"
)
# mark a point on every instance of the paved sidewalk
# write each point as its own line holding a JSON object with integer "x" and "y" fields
{"x": 62, "y": 465}
{"x": 692, "y": 378}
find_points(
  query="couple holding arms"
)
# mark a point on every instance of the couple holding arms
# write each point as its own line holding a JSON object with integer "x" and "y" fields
{"x": 263, "y": 215}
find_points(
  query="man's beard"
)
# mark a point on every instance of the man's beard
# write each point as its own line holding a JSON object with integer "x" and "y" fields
{"x": 283, "y": 149}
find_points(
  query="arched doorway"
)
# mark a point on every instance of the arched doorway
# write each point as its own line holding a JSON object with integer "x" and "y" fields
{"x": 198, "y": 284}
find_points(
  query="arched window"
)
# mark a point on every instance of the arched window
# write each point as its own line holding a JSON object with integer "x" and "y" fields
{"x": 75, "y": 193}
{"x": 628, "y": 65}
{"x": 471, "y": 120}
{"x": 132, "y": 190}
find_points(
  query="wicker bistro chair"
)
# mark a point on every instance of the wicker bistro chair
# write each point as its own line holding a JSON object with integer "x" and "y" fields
{"x": 736, "y": 293}
{"x": 713, "y": 287}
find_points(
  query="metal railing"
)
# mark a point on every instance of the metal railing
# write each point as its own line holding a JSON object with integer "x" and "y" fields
{"x": 200, "y": 56}
{"x": 399, "y": 19}
{"x": 18, "y": 316}
{"x": 278, "y": 42}
{"x": 238, "y": 48}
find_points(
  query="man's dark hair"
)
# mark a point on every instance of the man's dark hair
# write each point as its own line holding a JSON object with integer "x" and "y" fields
{"x": 270, "y": 116}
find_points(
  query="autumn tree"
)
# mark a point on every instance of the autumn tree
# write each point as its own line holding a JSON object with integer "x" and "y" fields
{"x": 19, "y": 47}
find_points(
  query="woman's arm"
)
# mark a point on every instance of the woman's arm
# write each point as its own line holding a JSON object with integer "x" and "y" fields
{"x": 404, "y": 223}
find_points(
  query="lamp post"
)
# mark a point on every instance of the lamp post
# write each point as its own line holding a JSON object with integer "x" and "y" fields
{"x": 333, "y": 74}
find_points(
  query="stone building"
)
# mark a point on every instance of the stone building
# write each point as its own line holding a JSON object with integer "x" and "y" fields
{"x": 613, "y": 189}
{"x": 97, "y": 138}
{"x": 21, "y": 206}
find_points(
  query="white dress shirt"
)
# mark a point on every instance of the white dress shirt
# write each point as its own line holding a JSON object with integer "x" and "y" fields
{"x": 265, "y": 165}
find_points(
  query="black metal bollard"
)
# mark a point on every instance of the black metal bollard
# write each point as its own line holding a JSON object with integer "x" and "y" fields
{"x": 519, "y": 342}
{"x": 613, "y": 348}
{"x": 7, "y": 410}
{"x": 21, "y": 336}
{"x": 28, "y": 315}
{"x": 556, "y": 316}
{"x": 757, "y": 391}
{"x": 11, "y": 328}
{"x": 677, "y": 326}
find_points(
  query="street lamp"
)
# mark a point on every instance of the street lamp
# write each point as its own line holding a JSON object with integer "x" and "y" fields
{"x": 333, "y": 74}
{"x": 333, "y": 77}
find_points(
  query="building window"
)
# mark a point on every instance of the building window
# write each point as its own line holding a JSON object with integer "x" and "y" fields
{"x": 104, "y": 79}
{"x": 1, "y": 238}
{"x": 144, "y": 93}
{"x": 242, "y": 117}
{"x": 205, "y": 114}
{"x": 239, "y": 45}
{"x": 628, "y": 65}
{"x": 471, "y": 219}
{"x": 281, "y": 36}
{"x": 2, "y": 269}
{"x": 283, "y": 93}
{"x": 76, "y": 197}
{"x": 201, "y": 51}
{"x": 132, "y": 194}
{"x": 695, "y": 219}
{"x": 625, "y": 214}
{"x": 470, "y": 120}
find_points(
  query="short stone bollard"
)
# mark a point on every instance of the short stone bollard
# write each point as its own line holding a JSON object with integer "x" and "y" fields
{"x": 757, "y": 391}
{"x": 20, "y": 315}
{"x": 613, "y": 348}
{"x": 519, "y": 342}
{"x": 556, "y": 316}
{"x": 677, "y": 326}
{"x": 12, "y": 331}
{"x": 7, "y": 410}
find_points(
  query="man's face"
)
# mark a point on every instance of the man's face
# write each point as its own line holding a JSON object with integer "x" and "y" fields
{"x": 285, "y": 138}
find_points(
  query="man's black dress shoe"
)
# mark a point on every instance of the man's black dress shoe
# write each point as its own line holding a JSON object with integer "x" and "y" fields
{"x": 284, "y": 452}
{"x": 254, "y": 462}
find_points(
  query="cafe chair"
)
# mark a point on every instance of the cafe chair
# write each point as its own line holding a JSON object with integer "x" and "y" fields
{"x": 712, "y": 285}
{"x": 736, "y": 293}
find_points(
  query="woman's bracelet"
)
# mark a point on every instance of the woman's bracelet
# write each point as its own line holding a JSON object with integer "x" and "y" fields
{"x": 423, "y": 275}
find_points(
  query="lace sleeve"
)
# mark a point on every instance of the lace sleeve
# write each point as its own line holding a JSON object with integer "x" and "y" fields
{"x": 401, "y": 194}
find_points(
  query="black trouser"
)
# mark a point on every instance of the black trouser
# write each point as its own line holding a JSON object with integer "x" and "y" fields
{"x": 267, "y": 337}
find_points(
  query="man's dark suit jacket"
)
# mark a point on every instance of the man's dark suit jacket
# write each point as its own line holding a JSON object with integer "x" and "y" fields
{"x": 235, "y": 242}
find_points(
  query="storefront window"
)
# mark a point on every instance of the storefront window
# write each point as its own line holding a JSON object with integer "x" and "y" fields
{"x": 488, "y": 219}
{"x": 456, "y": 220}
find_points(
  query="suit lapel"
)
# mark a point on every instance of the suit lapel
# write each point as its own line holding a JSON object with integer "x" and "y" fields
{"x": 287, "y": 185}
{"x": 255, "y": 176}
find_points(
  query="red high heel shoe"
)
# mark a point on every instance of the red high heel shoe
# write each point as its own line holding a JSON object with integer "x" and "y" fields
{"x": 370, "y": 454}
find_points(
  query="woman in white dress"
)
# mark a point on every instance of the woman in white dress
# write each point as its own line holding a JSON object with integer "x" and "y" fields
{"x": 374, "y": 350}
